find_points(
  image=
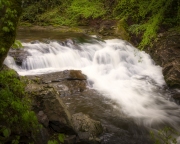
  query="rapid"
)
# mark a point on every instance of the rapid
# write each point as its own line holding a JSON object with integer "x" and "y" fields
{"x": 115, "y": 69}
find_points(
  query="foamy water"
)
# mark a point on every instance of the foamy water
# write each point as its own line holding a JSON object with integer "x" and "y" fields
{"x": 117, "y": 70}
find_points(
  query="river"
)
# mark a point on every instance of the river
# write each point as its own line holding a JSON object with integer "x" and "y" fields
{"x": 127, "y": 91}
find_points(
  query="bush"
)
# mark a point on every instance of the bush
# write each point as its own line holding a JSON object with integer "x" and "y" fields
{"x": 148, "y": 16}
{"x": 15, "y": 114}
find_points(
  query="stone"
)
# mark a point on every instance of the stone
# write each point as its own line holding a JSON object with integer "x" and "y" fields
{"x": 19, "y": 55}
{"x": 121, "y": 31}
{"x": 87, "y": 128}
{"x": 49, "y": 107}
{"x": 46, "y": 91}
{"x": 74, "y": 75}
{"x": 43, "y": 119}
{"x": 71, "y": 139}
{"x": 107, "y": 28}
{"x": 42, "y": 136}
{"x": 166, "y": 53}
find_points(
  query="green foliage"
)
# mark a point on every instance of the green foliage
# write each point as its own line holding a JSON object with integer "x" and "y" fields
{"x": 15, "y": 113}
{"x": 17, "y": 44}
{"x": 61, "y": 137}
{"x": 16, "y": 140}
{"x": 86, "y": 9}
{"x": 146, "y": 18}
{"x": 34, "y": 9}
{"x": 8, "y": 15}
{"x": 6, "y": 132}
{"x": 165, "y": 136}
{"x": 52, "y": 142}
{"x": 65, "y": 13}
{"x": 148, "y": 15}
{"x": 10, "y": 11}
{"x": 57, "y": 139}
{"x": 7, "y": 24}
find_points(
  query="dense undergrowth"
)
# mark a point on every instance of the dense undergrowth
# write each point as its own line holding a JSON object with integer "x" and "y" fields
{"x": 145, "y": 18}
{"x": 16, "y": 118}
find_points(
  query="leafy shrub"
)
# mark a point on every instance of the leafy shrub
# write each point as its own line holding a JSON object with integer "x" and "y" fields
{"x": 148, "y": 15}
{"x": 86, "y": 9}
{"x": 15, "y": 113}
{"x": 64, "y": 13}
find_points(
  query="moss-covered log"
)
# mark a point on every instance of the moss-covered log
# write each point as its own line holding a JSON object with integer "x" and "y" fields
{"x": 10, "y": 11}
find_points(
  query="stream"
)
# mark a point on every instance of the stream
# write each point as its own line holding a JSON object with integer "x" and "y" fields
{"x": 127, "y": 91}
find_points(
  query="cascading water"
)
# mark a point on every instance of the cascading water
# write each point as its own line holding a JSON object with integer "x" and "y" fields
{"x": 116, "y": 69}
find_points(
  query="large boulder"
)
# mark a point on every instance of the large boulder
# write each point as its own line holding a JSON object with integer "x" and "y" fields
{"x": 51, "y": 111}
{"x": 46, "y": 91}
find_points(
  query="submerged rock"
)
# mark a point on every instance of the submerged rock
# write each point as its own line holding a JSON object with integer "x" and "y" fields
{"x": 19, "y": 55}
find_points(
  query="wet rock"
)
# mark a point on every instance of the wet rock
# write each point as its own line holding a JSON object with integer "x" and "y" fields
{"x": 74, "y": 75}
{"x": 66, "y": 82}
{"x": 121, "y": 31}
{"x": 176, "y": 95}
{"x": 59, "y": 127}
{"x": 52, "y": 113}
{"x": 107, "y": 28}
{"x": 35, "y": 42}
{"x": 61, "y": 76}
{"x": 71, "y": 139}
{"x": 42, "y": 137}
{"x": 46, "y": 91}
{"x": 49, "y": 107}
{"x": 166, "y": 53}
{"x": 19, "y": 55}
{"x": 43, "y": 119}
{"x": 171, "y": 72}
{"x": 86, "y": 128}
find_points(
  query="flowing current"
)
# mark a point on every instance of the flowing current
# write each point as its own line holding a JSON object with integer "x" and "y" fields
{"x": 114, "y": 68}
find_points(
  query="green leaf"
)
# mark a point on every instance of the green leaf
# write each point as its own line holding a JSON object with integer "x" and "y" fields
{"x": 15, "y": 142}
{"x": 52, "y": 142}
{"x": 6, "y": 132}
{"x": 17, "y": 44}
{"x": 61, "y": 137}
{"x": 6, "y": 29}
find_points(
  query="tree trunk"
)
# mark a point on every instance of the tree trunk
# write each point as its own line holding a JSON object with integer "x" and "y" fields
{"x": 10, "y": 11}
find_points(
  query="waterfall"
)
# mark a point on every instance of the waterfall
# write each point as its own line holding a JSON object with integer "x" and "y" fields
{"x": 118, "y": 71}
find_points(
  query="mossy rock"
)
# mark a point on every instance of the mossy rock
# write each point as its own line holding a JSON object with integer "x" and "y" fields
{"x": 121, "y": 30}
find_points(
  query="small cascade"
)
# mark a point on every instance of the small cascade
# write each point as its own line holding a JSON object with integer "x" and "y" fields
{"x": 118, "y": 70}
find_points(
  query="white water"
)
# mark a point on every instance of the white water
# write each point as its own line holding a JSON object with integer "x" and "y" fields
{"x": 118, "y": 70}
